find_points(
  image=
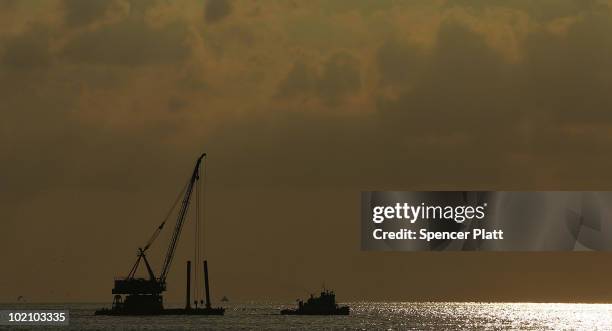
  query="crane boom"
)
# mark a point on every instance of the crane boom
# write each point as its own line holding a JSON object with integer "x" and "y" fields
{"x": 143, "y": 296}
{"x": 180, "y": 220}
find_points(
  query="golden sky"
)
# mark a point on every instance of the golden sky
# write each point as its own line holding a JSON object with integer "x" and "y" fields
{"x": 300, "y": 105}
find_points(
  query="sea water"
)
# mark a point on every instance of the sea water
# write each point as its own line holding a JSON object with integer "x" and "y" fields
{"x": 364, "y": 316}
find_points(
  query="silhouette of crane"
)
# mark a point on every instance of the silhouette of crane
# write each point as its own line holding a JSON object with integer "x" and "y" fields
{"x": 145, "y": 295}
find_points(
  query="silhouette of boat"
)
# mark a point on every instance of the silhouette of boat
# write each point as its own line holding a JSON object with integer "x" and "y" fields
{"x": 143, "y": 296}
{"x": 325, "y": 304}
{"x": 224, "y": 299}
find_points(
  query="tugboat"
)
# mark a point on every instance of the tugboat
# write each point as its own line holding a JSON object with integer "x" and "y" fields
{"x": 325, "y": 304}
{"x": 143, "y": 296}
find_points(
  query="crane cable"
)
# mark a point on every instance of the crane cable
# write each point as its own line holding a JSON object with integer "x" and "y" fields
{"x": 161, "y": 226}
{"x": 196, "y": 245}
{"x": 203, "y": 251}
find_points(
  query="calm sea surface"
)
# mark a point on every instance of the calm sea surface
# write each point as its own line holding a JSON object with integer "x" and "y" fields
{"x": 364, "y": 315}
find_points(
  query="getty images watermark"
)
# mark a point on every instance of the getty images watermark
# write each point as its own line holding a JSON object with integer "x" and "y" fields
{"x": 486, "y": 220}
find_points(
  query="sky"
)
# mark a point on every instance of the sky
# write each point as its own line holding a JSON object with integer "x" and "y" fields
{"x": 300, "y": 105}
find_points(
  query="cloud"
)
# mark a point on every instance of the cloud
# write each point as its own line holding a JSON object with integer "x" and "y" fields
{"x": 399, "y": 63}
{"x": 569, "y": 74}
{"x": 301, "y": 80}
{"x": 9, "y": 4}
{"x": 341, "y": 77}
{"x": 338, "y": 78}
{"x": 27, "y": 51}
{"x": 216, "y": 10}
{"x": 131, "y": 42}
{"x": 544, "y": 10}
{"x": 79, "y": 13}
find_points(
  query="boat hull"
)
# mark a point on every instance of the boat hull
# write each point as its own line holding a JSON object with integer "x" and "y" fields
{"x": 337, "y": 311}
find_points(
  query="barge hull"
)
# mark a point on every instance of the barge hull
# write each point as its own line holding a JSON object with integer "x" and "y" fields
{"x": 177, "y": 311}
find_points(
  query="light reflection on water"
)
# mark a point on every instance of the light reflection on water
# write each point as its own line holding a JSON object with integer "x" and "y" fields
{"x": 478, "y": 316}
{"x": 365, "y": 316}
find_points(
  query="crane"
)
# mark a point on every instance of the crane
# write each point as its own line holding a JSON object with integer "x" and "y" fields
{"x": 145, "y": 295}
